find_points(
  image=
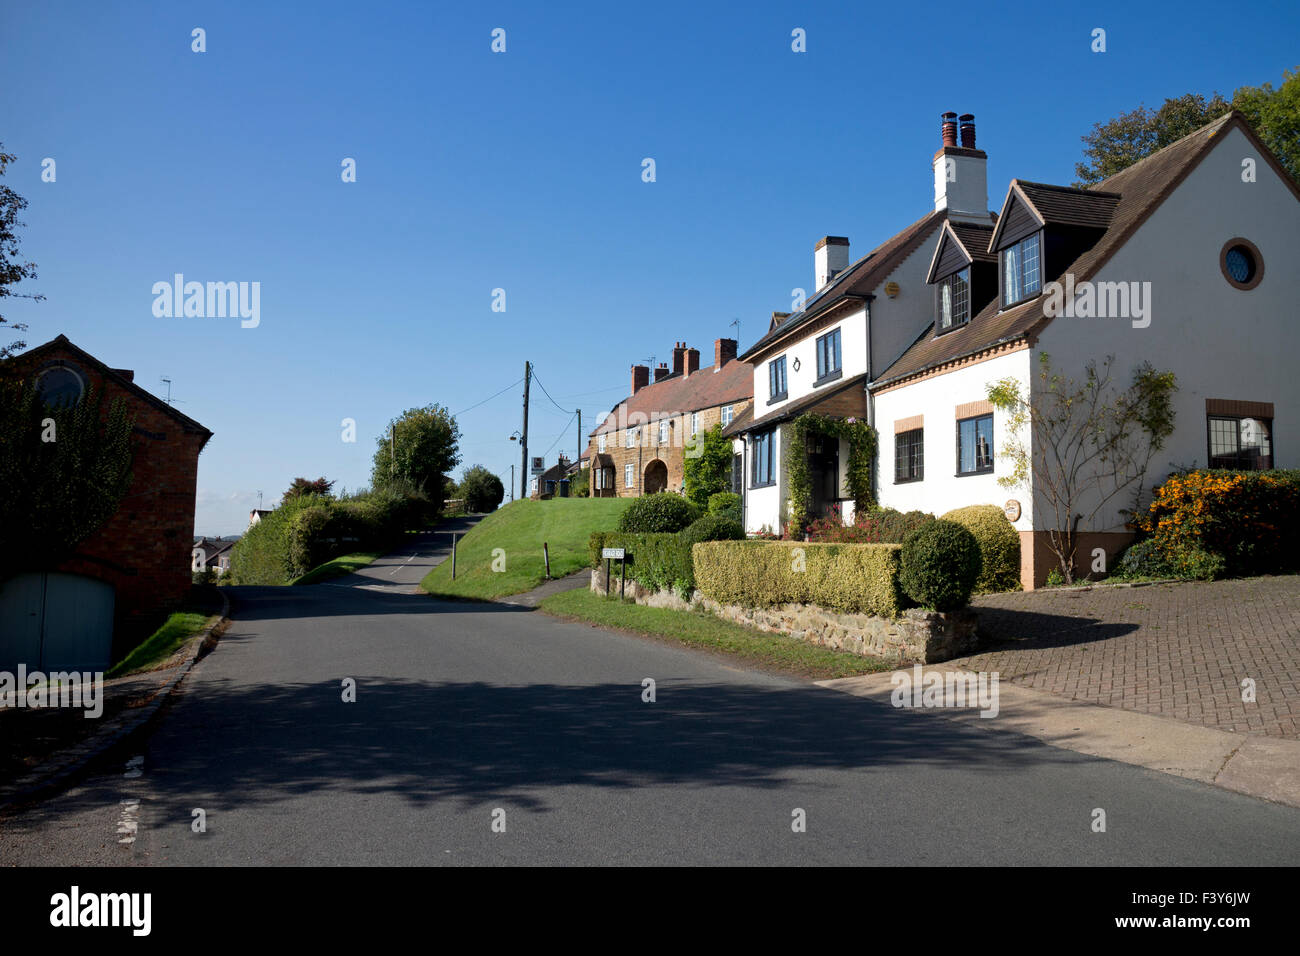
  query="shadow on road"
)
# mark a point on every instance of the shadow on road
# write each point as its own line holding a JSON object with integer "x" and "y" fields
{"x": 428, "y": 742}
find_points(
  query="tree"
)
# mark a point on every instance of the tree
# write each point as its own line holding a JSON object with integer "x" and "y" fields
{"x": 12, "y": 269}
{"x": 1077, "y": 446}
{"x": 1274, "y": 115}
{"x": 64, "y": 471}
{"x": 426, "y": 442}
{"x": 707, "y": 465}
{"x": 580, "y": 483}
{"x": 482, "y": 490}
{"x": 305, "y": 486}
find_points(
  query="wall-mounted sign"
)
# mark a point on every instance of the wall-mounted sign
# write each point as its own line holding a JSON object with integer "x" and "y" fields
{"x": 891, "y": 289}
{"x": 1012, "y": 510}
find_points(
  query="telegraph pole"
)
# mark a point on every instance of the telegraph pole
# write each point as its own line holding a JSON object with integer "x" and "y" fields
{"x": 579, "y": 458}
{"x": 523, "y": 440}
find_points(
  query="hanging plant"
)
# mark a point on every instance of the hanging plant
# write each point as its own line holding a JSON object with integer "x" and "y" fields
{"x": 861, "y": 438}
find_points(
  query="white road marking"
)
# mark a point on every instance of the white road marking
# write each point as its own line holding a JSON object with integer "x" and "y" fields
{"x": 127, "y": 824}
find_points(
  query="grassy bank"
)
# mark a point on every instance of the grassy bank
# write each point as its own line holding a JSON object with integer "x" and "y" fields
{"x": 163, "y": 643}
{"x": 518, "y": 530}
{"x": 338, "y": 567}
{"x": 705, "y": 631}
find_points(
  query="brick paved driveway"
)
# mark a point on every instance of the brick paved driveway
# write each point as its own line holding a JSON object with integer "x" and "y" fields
{"x": 1173, "y": 650}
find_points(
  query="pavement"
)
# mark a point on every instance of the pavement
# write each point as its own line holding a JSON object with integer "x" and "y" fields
{"x": 1180, "y": 651}
{"x": 486, "y": 733}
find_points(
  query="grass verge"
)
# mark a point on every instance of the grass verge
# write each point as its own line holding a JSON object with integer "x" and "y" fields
{"x": 510, "y": 539}
{"x": 162, "y": 643}
{"x": 338, "y": 567}
{"x": 705, "y": 631}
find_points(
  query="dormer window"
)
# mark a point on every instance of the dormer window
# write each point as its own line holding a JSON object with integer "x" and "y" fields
{"x": 1022, "y": 276}
{"x": 952, "y": 300}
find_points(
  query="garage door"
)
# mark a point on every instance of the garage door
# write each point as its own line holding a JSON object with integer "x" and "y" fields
{"x": 56, "y": 622}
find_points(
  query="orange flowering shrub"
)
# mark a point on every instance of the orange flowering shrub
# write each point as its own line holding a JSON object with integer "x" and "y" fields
{"x": 1249, "y": 519}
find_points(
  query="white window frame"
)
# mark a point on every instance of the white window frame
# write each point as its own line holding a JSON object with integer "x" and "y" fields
{"x": 631, "y": 438}
{"x": 695, "y": 423}
{"x": 629, "y": 475}
{"x": 727, "y": 415}
{"x": 600, "y": 443}
{"x": 663, "y": 431}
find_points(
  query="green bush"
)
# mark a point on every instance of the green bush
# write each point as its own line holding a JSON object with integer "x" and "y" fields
{"x": 715, "y": 527}
{"x": 307, "y": 531}
{"x": 999, "y": 546}
{"x": 658, "y": 561}
{"x": 854, "y": 578}
{"x": 940, "y": 563}
{"x": 1250, "y": 518}
{"x": 659, "y": 513}
{"x": 725, "y": 503}
{"x": 1143, "y": 559}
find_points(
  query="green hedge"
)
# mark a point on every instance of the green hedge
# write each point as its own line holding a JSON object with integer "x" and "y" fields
{"x": 658, "y": 561}
{"x": 854, "y": 578}
{"x": 307, "y": 531}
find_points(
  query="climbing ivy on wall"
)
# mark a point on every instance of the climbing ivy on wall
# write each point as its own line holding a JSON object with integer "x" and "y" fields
{"x": 862, "y": 453}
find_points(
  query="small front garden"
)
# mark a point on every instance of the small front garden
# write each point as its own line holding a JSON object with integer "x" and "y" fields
{"x": 1205, "y": 525}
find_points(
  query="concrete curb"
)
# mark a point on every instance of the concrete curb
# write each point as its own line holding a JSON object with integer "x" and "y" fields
{"x": 62, "y": 766}
{"x": 1258, "y": 766}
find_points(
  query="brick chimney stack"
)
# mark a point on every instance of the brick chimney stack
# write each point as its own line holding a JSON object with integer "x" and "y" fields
{"x": 724, "y": 350}
{"x": 679, "y": 358}
{"x": 661, "y": 371}
{"x": 640, "y": 377}
{"x": 692, "y": 360}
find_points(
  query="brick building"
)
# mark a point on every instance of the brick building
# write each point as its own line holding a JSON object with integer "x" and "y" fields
{"x": 143, "y": 552}
{"x": 640, "y": 447}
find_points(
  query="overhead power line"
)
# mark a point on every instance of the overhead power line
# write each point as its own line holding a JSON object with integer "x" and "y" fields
{"x": 488, "y": 399}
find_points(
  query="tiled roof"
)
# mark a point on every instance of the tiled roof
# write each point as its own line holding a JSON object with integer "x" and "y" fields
{"x": 1140, "y": 189}
{"x": 681, "y": 394}
{"x": 859, "y": 279}
{"x": 1069, "y": 205}
{"x": 792, "y": 409}
{"x": 974, "y": 239}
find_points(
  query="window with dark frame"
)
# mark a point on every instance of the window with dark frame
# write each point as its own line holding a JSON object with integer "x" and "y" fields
{"x": 975, "y": 445}
{"x": 1242, "y": 444}
{"x": 952, "y": 300}
{"x": 776, "y": 378}
{"x": 828, "y": 354}
{"x": 909, "y": 456}
{"x": 1021, "y": 271}
{"x": 762, "y": 471}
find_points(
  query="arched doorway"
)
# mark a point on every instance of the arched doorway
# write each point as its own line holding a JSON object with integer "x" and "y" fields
{"x": 656, "y": 476}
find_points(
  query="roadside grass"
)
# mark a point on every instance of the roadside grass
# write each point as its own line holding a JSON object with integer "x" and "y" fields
{"x": 162, "y": 643}
{"x": 519, "y": 529}
{"x": 338, "y": 567}
{"x": 699, "y": 629}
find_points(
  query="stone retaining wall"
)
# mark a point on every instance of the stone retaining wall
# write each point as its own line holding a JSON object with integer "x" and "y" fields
{"x": 915, "y": 636}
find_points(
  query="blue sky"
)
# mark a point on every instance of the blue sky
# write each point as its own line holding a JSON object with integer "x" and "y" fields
{"x": 521, "y": 171}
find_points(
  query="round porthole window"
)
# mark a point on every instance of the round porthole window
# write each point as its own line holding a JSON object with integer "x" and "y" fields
{"x": 60, "y": 385}
{"x": 1241, "y": 263}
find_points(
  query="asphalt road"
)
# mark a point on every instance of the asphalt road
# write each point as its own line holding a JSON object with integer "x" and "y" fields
{"x": 466, "y": 713}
